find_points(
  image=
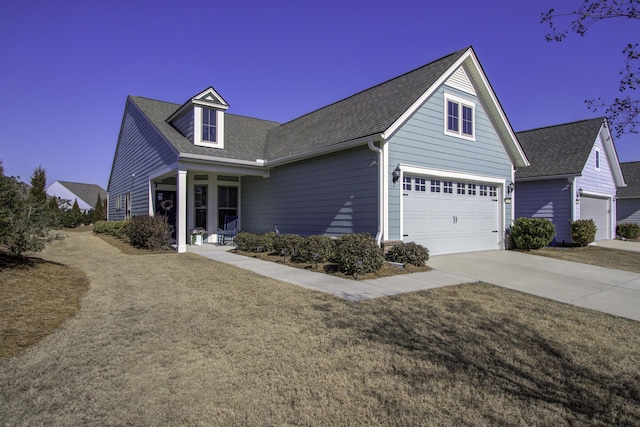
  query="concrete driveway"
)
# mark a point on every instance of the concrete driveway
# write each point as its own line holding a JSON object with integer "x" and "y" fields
{"x": 611, "y": 291}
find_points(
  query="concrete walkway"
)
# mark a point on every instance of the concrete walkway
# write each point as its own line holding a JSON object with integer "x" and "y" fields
{"x": 623, "y": 245}
{"x": 611, "y": 291}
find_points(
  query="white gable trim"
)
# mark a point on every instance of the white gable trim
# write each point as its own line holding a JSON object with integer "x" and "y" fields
{"x": 612, "y": 155}
{"x": 460, "y": 80}
{"x": 495, "y": 112}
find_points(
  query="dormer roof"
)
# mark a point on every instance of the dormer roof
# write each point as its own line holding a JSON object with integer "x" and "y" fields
{"x": 207, "y": 98}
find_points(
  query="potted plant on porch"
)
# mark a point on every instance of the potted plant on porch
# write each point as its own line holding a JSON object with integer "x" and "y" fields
{"x": 196, "y": 236}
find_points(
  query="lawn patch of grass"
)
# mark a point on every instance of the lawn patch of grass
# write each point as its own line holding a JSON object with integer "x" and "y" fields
{"x": 36, "y": 298}
{"x": 170, "y": 339}
{"x": 594, "y": 255}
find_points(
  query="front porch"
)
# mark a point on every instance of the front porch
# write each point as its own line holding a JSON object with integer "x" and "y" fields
{"x": 199, "y": 196}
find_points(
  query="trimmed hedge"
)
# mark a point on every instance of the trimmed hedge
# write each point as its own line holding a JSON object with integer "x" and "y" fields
{"x": 118, "y": 229}
{"x": 352, "y": 248}
{"x": 408, "y": 253}
{"x": 532, "y": 233}
{"x": 322, "y": 245}
{"x": 249, "y": 242}
{"x": 628, "y": 230}
{"x": 149, "y": 232}
{"x": 583, "y": 231}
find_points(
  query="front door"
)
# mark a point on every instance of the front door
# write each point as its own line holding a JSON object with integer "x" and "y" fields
{"x": 166, "y": 205}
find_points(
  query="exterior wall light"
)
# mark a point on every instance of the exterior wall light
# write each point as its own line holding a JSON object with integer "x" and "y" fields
{"x": 395, "y": 175}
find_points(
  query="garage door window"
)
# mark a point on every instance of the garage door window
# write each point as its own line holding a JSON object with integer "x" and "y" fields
{"x": 435, "y": 186}
{"x": 421, "y": 184}
{"x": 406, "y": 183}
{"x": 461, "y": 187}
{"x": 447, "y": 187}
{"x": 471, "y": 189}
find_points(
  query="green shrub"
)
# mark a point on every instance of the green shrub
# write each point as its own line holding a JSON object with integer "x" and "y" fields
{"x": 628, "y": 230}
{"x": 149, "y": 232}
{"x": 408, "y": 253}
{"x": 293, "y": 244}
{"x": 532, "y": 233}
{"x": 321, "y": 245}
{"x": 121, "y": 229}
{"x": 583, "y": 231}
{"x": 249, "y": 242}
{"x": 102, "y": 227}
{"x": 351, "y": 248}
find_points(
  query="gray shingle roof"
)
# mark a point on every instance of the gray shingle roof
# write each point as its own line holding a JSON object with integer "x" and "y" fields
{"x": 366, "y": 113}
{"x": 558, "y": 150}
{"x": 87, "y": 192}
{"x": 631, "y": 172}
{"x": 244, "y": 136}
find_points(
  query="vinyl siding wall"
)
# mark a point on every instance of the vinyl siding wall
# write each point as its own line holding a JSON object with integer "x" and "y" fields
{"x": 550, "y": 199}
{"x": 421, "y": 142}
{"x": 140, "y": 151}
{"x": 601, "y": 181}
{"x": 330, "y": 195}
{"x": 184, "y": 124}
{"x": 628, "y": 210}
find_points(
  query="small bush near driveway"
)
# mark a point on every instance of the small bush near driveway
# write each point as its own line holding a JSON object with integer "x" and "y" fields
{"x": 628, "y": 230}
{"x": 532, "y": 233}
{"x": 408, "y": 253}
{"x": 583, "y": 231}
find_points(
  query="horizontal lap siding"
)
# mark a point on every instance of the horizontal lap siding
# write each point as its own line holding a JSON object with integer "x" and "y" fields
{"x": 184, "y": 124}
{"x": 628, "y": 210}
{"x": 550, "y": 199}
{"x": 140, "y": 151}
{"x": 601, "y": 181}
{"x": 331, "y": 195}
{"x": 421, "y": 142}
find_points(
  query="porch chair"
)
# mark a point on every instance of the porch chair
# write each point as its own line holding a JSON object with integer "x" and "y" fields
{"x": 230, "y": 230}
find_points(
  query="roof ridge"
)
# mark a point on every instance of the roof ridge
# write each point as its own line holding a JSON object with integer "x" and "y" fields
{"x": 563, "y": 124}
{"x": 377, "y": 85}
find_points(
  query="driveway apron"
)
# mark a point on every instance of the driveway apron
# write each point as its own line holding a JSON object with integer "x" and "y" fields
{"x": 611, "y": 291}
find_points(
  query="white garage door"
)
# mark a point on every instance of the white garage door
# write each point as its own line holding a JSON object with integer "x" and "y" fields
{"x": 597, "y": 209}
{"x": 449, "y": 216}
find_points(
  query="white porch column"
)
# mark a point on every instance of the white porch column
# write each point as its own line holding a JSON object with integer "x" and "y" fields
{"x": 181, "y": 211}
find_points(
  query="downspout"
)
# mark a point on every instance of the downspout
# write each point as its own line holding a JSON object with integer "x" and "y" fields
{"x": 381, "y": 165}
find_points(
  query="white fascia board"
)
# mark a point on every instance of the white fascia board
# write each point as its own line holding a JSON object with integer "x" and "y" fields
{"x": 612, "y": 155}
{"x": 586, "y": 192}
{"x": 223, "y": 167}
{"x": 324, "y": 150}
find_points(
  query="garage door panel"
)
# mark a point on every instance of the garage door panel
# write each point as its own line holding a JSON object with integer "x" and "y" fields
{"x": 598, "y": 210}
{"x": 451, "y": 222}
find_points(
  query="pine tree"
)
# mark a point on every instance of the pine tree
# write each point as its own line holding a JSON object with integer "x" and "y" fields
{"x": 98, "y": 211}
{"x": 38, "y": 191}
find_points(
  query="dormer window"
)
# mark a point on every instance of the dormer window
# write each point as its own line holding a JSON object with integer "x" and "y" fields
{"x": 209, "y": 125}
{"x": 201, "y": 119}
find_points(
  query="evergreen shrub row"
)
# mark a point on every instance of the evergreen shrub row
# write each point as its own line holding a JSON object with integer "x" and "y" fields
{"x": 352, "y": 253}
{"x": 628, "y": 230}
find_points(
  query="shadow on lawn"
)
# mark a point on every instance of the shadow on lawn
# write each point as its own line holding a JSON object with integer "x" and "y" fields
{"x": 500, "y": 354}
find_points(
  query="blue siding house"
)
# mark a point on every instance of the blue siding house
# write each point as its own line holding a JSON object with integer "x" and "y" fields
{"x": 574, "y": 174}
{"x": 428, "y": 156}
{"x": 628, "y": 203}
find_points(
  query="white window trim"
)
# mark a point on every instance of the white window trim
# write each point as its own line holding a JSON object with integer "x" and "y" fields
{"x": 597, "y": 160}
{"x": 460, "y": 101}
{"x": 197, "y": 128}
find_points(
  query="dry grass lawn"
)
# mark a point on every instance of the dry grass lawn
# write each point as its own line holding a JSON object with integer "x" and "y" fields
{"x": 168, "y": 339}
{"x": 595, "y": 255}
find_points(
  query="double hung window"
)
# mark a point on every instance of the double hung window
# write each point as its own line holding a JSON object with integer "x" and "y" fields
{"x": 459, "y": 117}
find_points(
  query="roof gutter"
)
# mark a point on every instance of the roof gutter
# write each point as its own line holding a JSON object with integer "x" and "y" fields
{"x": 547, "y": 177}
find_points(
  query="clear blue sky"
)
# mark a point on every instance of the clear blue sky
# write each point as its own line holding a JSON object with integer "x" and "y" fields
{"x": 67, "y": 66}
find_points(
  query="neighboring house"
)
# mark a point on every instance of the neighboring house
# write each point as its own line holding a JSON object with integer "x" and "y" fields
{"x": 573, "y": 175}
{"x": 427, "y": 157}
{"x": 628, "y": 209}
{"x": 85, "y": 194}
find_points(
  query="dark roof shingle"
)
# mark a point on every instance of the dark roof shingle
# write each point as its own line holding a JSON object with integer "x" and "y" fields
{"x": 558, "y": 150}
{"x": 631, "y": 173}
{"x": 87, "y": 192}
